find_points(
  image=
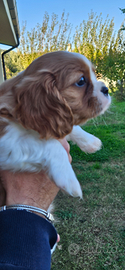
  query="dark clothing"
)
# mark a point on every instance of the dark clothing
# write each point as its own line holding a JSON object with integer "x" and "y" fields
{"x": 26, "y": 240}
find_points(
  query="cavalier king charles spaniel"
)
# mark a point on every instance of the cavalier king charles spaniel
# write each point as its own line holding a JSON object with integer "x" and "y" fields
{"x": 46, "y": 102}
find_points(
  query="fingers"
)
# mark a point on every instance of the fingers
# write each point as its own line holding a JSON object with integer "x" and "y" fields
{"x": 58, "y": 238}
{"x": 66, "y": 145}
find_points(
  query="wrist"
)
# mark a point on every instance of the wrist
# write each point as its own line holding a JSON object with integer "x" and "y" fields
{"x": 28, "y": 208}
{"x": 29, "y": 189}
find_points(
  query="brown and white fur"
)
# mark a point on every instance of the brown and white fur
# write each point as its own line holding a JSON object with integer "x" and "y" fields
{"x": 44, "y": 103}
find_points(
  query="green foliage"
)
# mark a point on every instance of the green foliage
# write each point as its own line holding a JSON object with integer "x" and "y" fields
{"x": 95, "y": 38}
{"x": 98, "y": 42}
{"x": 13, "y": 64}
{"x": 114, "y": 67}
{"x": 123, "y": 10}
{"x": 50, "y": 36}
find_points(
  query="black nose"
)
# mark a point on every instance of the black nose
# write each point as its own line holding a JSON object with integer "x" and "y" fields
{"x": 104, "y": 90}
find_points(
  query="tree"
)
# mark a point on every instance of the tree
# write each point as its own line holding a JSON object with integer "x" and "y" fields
{"x": 13, "y": 64}
{"x": 50, "y": 36}
{"x": 123, "y": 10}
{"x": 114, "y": 68}
{"x": 93, "y": 39}
{"x": 98, "y": 42}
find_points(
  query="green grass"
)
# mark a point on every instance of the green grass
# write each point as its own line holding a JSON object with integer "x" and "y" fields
{"x": 92, "y": 230}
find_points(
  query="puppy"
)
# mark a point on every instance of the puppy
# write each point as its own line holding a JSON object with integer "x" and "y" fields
{"x": 44, "y": 103}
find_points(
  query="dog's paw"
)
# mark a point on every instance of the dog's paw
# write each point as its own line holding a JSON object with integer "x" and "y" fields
{"x": 92, "y": 145}
{"x": 61, "y": 172}
{"x": 59, "y": 169}
{"x": 86, "y": 141}
{"x": 64, "y": 177}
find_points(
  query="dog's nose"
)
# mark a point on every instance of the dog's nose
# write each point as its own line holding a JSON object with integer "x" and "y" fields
{"x": 104, "y": 90}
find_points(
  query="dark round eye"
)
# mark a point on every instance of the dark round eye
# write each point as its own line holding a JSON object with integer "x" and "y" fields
{"x": 81, "y": 82}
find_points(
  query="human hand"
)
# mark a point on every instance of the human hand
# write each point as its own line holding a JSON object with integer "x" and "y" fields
{"x": 35, "y": 189}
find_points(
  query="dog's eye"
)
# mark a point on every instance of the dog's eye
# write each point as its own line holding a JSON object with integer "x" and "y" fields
{"x": 81, "y": 82}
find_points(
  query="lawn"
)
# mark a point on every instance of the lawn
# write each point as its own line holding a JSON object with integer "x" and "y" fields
{"x": 92, "y": 230}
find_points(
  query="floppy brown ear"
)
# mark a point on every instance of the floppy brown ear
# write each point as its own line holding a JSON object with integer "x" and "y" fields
{"x": 41, "y": 107}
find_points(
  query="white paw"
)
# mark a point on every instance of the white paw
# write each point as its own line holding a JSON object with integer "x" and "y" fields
{"x": 92, "y": 145}
{"x": 64, "y": 177}
{"x": 86, "y": 141}
{"x": 61, "y": 172}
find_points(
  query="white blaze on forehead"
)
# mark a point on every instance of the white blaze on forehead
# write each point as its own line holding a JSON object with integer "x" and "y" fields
{"x": 92, "y": 74}
{"x": 89, "y": 64}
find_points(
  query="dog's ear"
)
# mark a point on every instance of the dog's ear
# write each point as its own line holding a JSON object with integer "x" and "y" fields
{"x": 40, "y": 106}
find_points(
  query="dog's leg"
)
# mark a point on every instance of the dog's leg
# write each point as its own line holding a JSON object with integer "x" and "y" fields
{"x": 60, "y": 170}
{"x": 86, "y": 141}
{"x": 22, "y": 150}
